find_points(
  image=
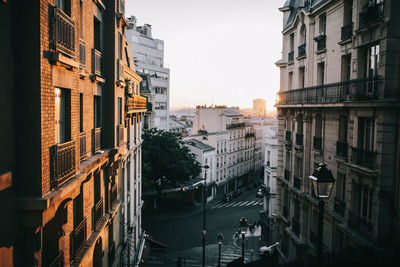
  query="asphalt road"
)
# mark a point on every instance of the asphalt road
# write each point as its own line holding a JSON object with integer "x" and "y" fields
{"x": 182, "y": 234}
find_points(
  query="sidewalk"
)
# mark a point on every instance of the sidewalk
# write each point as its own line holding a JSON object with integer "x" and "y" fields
{"x": 252, "y": 243}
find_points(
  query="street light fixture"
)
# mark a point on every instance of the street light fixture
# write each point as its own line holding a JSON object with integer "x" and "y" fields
{"x": 322, "y": 184}
{"x": 220, "y": 238}
{"x": 204, "y": 199}
{"x": 252, "y": 228}
{"x": 243, "y": 229}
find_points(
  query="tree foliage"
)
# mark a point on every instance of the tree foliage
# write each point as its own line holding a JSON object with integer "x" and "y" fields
{"x": 166, "y": 161}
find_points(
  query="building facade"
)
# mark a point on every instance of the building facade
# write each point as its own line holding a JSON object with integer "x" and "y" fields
{"x": 148, "y": 55}
{"x": 74, "y": 118}
{"x": 339, "y": 104}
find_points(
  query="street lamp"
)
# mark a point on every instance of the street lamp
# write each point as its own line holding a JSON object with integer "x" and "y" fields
{"x": 204, "y": 199}
{"x": 220, "y": 237}
{"x": 322, "y": 182}
{"x": 243, "y": 230}
{"x": 252, "y": 227}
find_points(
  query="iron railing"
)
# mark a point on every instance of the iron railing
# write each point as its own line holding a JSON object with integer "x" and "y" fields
{"x": 82, "y": 54}
{"x": 136, "y": 103}
{"x": 321, "y": 42}
{"x": 291, "y": 56}
{"x": 296, "y": 226}
{"x": 299, "y": 139}
{"x": 347, "y": 31}
{"x": 113, "y": 195}
{"x": 341, "y": 149}
{"x": 235, "y": 125}
{"x": 63, "y": 163}
{"x": 286, "y": 175}
{"x": 362, "y": 157}
{"x": 96, "y": 140}
{"x": 120, "y": 134}
{"x": 296, "y": 182}
{"x": 288, "y": 136}
{"x": 372, "y": 14}
{"x": 97, "y": 213}
{"x": 63, "y": 33}
{"x": 78, "y": 239}
{"x": 355, "y": 90}
{"x": 317, "y": 143}
{"x": 58, "y": 261}
{"x": 359, "y": 224}
{"x": 96, "y": 62}
{"x": 82, "y": 146}
{"x": 302, "y": 50}
{"x": 339, "y": 206}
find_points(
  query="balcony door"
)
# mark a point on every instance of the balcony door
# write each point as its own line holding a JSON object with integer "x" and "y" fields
{"x": 60, "y": 114}
{"x": 365, "y": 136}
{"x": 64, "y": 5}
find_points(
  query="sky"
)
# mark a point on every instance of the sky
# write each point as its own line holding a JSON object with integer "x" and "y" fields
{"x": 219, "y": 52}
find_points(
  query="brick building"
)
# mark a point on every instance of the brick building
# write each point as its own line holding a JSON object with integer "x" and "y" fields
{"x": 72, "y": 123}
{"x": 339, "y": 104}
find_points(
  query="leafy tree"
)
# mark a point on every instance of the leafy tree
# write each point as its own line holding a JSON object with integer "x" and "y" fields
{"x": 166, "y": 161}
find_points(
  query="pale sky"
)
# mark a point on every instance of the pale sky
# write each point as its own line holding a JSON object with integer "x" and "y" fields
{"x": 219, "y": 51}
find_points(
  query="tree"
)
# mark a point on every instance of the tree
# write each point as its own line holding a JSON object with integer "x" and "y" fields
{"x": 166, "y": 161}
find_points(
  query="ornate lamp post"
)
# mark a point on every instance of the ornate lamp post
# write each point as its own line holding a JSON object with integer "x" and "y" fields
{"x": 220, "y": 237}
{"x": 204, "y": 199}
{"x": 322, "y": 182}
{"x": 243, "y": 229}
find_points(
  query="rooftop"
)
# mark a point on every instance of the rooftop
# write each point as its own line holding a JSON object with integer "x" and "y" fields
{"x": 199, "y": 145}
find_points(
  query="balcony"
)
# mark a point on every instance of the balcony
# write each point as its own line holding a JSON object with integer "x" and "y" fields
{"x": 302, "y": 50}
{"x": 321, "y": 42}
{"x": 296, "y": 226}
{"x": 291, "y": 56}
{"x": 317, "y": 143}
{"x": 286, "y": 175}
{"x": 347, "y": 32}
{"x": 285, "y": 211}
{"x": 78, "y": 239}
{"x": 82, "y": 54}
{"x": 299, "y": 139}
{"x": 235, "y": 125}
{"x": 58, "y": 261}
{"x": 136, "y": 104}
{"x": 120, "y": 134}
{"x": 359, "y": 224}
{"x": 62, "y": 32}
{"x": 96, "y": 140}
{"x": 351, "y": 91}
{"x": 97, "y": 213}
{"x": 362, "y": 157}
{"x": 63, "y": 163}
{"x": 371, "y": 15}
{"x": 341, "y": 149}
{"x": 339, "y": 206}
{"x": 96, "y": 62}
{"x": 113, "y": 195}
{"x": 288, "y": 136}
{"x": 249, "y": 135}
{"x": 82, "y": 146}
{"x": 297, "y": 182}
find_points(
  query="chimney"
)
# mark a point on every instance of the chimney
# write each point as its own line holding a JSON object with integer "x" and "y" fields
{"x": 132, "y": 21}
{"x": 147, "y": 29}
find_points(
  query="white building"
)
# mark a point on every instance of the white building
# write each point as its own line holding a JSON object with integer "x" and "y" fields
{"x": 149, "y": 60}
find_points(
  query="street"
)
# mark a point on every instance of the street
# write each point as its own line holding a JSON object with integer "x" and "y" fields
{"x": 182, "y": 234}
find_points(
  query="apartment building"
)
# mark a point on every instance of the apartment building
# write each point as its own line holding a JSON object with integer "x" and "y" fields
{"x": 148, "y": 54}
{"x": 339, "y": 104}
{"x": 76, "y": 131}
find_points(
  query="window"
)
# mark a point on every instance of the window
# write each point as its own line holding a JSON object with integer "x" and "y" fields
{"x": 96, "y": 111}
{"x": 320, "y": 73}
{"x": 287, "y": 162}
{"x": 291, "y": 42}
{"x": 120, "y": 42}
{"x": 97, "y": 192}
{"x": 341, "y": 186}
{"x": 365, "y": 135}
{"x": 301, "y": 77}
{"x": 372, "y": 62}
{"x": 300, "y": 124}
{"x": 81, "y": 112}
{"x": 78, "y": 210}
{"x": 346, "y": 68}
{"x": 348, "y": 12}
{"x": 62, "y": 115}
{"x": 290, "y": 80}
{"x": 119, "y": 110}
{"x": 322, "y": 24}
{"x": 64, "y": 5}
{"x": 342, "y": 129}
{"x": 361, "y": 201}
{"x": 81, "y": 18}
{"x": 318, "y": 125}
{"x": 299, "y": 167}
{"x": 96, "y": 34}
{"x": 303, "y": 35}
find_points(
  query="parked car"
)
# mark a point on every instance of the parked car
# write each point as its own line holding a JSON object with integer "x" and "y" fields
{"x": 259, "y": 193}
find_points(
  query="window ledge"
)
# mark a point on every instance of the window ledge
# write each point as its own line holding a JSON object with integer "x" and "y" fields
{"x": 348, "y": 40}
{"x": 363, "y": 170}
{"x": 320, "y": 51}
{"x": 60, "y": 58}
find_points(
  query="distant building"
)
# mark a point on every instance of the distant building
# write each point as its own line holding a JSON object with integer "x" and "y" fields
{"x": 176, "y": 126}
{"x": 259, "y": 107}
{"x": 148, "y": 54}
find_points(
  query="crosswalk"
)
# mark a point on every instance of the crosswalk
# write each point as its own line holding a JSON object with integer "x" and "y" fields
{"x": 237, "y": 204}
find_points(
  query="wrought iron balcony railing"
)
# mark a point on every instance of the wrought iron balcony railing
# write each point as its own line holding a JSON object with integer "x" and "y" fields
{"x": 96, "y": 62}
{"x": 339, "y": 206}
{"x": 362, "y": 157}
{"x": 63, "y": 163}
{"x": 291, "y": 56}
{"x": 62, "y": 30}
{"x": 235, "y": 125}
{"x": 347, "y": 31}
{"x": 113, "y": 195}
{"x": 299, "y": 139}
{"x": 78, "y": 239}
{"x": 350, "y": 91}
{"x": 288, "y": 136}
{"x": 296, "y": 226}
{"x": 120, "y": 134}
{"x": 82, "y": 146}
{"x": 97, "y": 213}
{"x": 372, "y": 14}
{"x": 96, "y": 140}
{"x": 296, "y": 182}
{"x": 341, "y": 149}
{"x": 58, "y": 261}
{"x": 321, "y": 42}
{"x": 286, "y": 175}
{"x": 136, "y": 103}
{"x": 317, "y": 143}
{"x": 302, "y": 50}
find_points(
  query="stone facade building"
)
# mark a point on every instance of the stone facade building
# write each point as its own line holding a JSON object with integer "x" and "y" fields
{"x": 339, "y": 104}
{"x": 74, "y": 162}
